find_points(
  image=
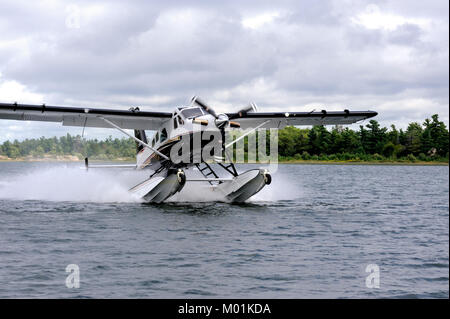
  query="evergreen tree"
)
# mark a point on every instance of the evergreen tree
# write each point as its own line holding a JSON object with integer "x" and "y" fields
{"x": 435, "y": 135}
{"x": 414, "y": 138}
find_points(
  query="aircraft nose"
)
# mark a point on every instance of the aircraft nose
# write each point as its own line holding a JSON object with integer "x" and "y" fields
{"x": 222, "y": 121}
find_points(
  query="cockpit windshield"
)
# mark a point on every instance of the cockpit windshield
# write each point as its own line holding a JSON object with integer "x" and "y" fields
{"x": 192, "y": 112}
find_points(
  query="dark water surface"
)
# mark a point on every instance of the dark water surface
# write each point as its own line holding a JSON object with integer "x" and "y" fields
{"x": 310, "y": 234}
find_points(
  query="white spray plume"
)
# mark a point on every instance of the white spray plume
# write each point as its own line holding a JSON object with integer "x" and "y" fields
{"x": 65, "y": 183}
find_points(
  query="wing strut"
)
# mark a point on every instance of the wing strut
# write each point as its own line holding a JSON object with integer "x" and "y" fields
{"x": 134, "y": 138}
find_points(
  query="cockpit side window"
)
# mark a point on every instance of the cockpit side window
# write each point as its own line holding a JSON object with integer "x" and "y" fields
{"x": 180, "y": 120}
{"x": 175, "y": 123}
{"x": 163, "y": 135}
{"x": 157, "y": 137}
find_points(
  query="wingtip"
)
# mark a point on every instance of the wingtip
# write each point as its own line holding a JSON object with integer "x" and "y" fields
{"x": 374, "y": 113}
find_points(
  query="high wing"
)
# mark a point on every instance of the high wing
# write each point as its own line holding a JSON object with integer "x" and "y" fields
{"x": 280, "y": 120}
{"x": 85, "y": 117}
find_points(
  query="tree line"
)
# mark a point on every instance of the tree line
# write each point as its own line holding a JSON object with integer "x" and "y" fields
{"x": 428, "y": 141}
{"x": 70, "y": 145}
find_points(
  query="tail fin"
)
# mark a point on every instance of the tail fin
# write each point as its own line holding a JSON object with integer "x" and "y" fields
{"x": 140, "y": 134}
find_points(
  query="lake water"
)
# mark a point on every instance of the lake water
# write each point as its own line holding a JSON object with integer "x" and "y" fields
{"x": 310, "y": 234}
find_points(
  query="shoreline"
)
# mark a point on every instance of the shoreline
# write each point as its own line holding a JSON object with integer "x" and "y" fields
{"x": 307, "y": 162}
{"x": 318, "y": 162}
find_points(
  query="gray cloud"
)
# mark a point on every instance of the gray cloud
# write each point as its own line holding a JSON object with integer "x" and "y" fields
{"x": 287, "y": 55}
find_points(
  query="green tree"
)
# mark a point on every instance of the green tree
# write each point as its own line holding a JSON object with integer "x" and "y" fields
{"x": 414, "y": 138}
{"x": 291, "y": 141}
{"x": 435, "y": 135}
{"x": 376, "y": 138}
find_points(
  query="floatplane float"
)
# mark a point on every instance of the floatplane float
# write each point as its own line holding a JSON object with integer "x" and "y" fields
{"x": 163, "y": 155}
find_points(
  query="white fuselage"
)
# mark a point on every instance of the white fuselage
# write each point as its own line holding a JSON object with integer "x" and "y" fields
{"x": 184, "y": 121}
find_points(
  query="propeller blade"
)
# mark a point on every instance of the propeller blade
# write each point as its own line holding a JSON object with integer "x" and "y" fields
{"x": 250, "y": 108}
{"x": 221, "y": 122}
{"x": 204, "y": 106}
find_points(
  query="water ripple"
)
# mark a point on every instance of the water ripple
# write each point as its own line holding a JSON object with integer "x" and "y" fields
{"x": 310, "y": 234}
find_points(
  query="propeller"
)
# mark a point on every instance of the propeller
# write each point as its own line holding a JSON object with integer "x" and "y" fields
{"x": 222, "y": 120}
{"x": 203, "y": 105}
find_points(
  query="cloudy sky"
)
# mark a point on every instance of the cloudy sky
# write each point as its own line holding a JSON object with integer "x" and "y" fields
{"x": 387, "y": 56}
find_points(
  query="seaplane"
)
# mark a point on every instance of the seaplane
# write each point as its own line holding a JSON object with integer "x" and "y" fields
{"x": 178, "y": 142}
